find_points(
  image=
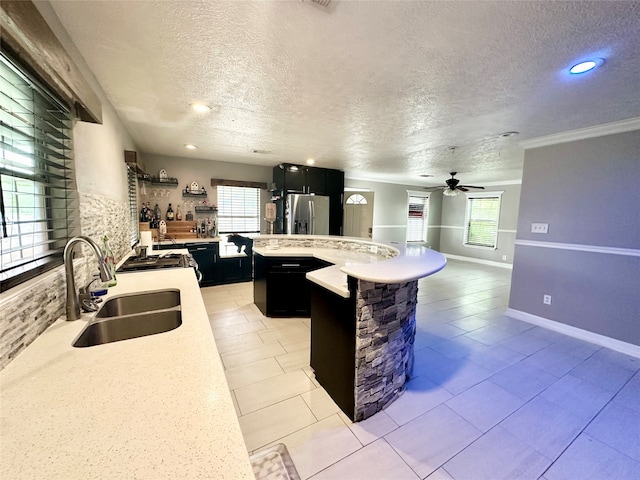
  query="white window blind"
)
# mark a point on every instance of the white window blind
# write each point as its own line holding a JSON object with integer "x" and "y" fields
{"x": 132, "y": 184}
{"x": 417, "y": 218}
{"x": 482, "y": 221}
{"x": 238, "y": 209}
{"x": 38, "y": 199}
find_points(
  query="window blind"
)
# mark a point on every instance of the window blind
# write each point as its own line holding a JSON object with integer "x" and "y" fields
{"x": 238, "y": 209}
{"x": 133, "y": 202}
{"x": 417, "y": 217}
{"x": 38, "y": 199}
{"x": 482, "y": 221}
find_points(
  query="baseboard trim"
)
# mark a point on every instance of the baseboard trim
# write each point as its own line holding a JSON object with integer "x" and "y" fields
{"x": 478, "y": 260}
{"x": 596, "y": 338}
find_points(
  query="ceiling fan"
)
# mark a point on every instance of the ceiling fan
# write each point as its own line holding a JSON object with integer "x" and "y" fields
{"x": 453, "y": 188}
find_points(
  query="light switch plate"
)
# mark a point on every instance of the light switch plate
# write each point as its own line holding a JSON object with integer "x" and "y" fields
{"x": 373, "y": 248}
{"x": 539, "y": 228}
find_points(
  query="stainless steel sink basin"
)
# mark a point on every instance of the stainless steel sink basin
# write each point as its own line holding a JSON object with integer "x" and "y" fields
{"x": 133, "y": 315}
{"x": 129, "y": 304}
{"x": 126, "y": 327}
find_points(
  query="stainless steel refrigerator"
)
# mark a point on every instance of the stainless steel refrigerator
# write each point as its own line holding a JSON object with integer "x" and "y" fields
{"x": 307, "y": 214}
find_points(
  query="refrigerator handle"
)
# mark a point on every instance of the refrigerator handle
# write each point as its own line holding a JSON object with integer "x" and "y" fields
{"x": 312, "y": 217}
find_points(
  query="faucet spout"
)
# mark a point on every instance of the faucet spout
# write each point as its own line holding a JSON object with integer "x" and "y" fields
{"x": 72, "y": 304}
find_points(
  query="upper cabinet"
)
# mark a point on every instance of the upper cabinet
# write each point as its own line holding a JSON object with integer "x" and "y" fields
{"x": 289, "y": 178}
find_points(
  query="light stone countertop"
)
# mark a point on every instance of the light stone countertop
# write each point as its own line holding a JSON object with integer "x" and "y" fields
{"x": 412, "y": 262}
{"x": 146, "y": 408}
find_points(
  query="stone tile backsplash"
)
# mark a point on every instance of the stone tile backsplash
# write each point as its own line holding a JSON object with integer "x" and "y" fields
{"x": 28, "y": 310}
{"x": 342, "y": 244}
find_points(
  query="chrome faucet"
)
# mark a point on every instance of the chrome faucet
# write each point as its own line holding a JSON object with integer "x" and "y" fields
{"x": 73, "y": 305}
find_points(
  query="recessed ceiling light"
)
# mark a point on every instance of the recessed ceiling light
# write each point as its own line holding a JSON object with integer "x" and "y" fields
{"x": 509, "y": 134}
{"x": 310, "y": 161}
{"x": 200, "y": 107}
{"x": 190, "y": 146}
{"x": 586, "y": 66}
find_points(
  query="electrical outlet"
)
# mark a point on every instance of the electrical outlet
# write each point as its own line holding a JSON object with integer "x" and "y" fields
{"x": 546, "y": 299}
{"x": 504, "y": 257}
{"x": 539, "y": 228}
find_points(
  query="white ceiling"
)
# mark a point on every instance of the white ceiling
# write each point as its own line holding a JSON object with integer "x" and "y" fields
{"x": 379, "y": 89}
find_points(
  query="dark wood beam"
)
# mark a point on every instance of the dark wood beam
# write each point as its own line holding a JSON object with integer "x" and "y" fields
{"x": 237, "y": 183}
{"x": 27, "y": 35}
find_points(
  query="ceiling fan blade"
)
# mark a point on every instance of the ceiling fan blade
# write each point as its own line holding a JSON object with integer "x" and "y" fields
{"x": 460, "y": 187}
{"x": 434, "y": 188}
{"x": 469, "y": 186}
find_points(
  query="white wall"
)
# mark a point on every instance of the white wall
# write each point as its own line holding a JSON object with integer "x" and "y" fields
{"x": 98, "y": 149}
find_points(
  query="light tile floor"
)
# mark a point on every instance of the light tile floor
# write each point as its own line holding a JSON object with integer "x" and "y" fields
{"x": 491, "y": 397}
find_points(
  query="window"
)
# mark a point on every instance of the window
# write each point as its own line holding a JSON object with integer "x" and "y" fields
{"x": 38, "y": 199}
{"x": 481, "y": 225}
{"x": 417, "y": 217}
{"x": 356, "y": 199}
{"x": 238, "y": 209}
{"x": 133, "y": 202}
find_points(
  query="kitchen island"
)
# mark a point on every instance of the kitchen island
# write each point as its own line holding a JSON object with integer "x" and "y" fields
{"x": 150, "y": 407}
{"x": 362, "y": 298}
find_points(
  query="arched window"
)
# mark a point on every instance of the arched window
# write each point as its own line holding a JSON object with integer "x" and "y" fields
{"x": 356, "y": 199}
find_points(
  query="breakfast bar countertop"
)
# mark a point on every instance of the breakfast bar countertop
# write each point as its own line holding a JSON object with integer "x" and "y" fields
{"x": 410, "y": 263}
{"x": 149, "y": 407}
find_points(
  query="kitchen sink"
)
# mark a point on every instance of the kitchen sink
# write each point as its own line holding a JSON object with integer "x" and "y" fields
{"x": 128, "y": 304}
{"x": 126, "y": 327}
{"x": 133, "y": 315}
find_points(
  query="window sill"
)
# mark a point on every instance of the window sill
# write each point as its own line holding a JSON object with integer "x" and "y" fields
{"x": 481, "y": 247}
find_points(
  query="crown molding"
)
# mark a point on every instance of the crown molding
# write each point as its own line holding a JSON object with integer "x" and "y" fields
{"x": 622, "y": 126}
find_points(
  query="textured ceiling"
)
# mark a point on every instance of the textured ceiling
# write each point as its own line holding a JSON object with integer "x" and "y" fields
{"x": 379, "y": 89}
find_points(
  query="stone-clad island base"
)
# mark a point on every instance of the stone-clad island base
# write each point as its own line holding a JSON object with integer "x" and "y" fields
{"x": 362, "y": 307}
{"x": 385, "y": 333}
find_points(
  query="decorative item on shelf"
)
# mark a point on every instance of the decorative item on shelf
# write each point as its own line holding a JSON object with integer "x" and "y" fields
{"x": 162, "y": 229}
{"x": 189, "y": 216}
{"x": 193, "y": 190}
{"x": 162, "y": 174}
{"x": 178, "y": 213}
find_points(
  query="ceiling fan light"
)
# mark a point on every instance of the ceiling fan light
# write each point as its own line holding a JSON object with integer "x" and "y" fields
{"x": 451, "y": 193}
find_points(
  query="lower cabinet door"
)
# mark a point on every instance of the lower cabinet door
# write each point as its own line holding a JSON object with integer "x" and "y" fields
{"x": 231, "y": 269}
{"x": 288, "y": 294}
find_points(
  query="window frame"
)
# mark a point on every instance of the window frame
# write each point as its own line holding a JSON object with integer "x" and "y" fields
{"x": 222, "y": 215}
{"x": 52, "y": 172}
{"x": 425, "y": 226}
{"x": 479, "y": 195}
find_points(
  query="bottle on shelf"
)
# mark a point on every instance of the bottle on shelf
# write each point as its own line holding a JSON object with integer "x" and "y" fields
{"x": 170, "y": 214}
{"x": 189, "y": 216}
{"x": 110, "y": 260}
{"x": 178, "y": 213}
{"x": 144, "y": 214}
{"x": 157, "y": 215}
